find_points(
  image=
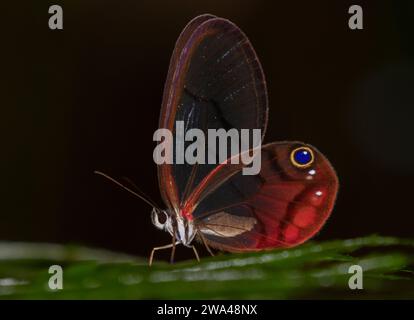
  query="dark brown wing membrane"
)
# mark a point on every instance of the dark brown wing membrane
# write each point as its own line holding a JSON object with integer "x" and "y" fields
{"x": 166, "y": 182}
{"x": 215, "y": 81}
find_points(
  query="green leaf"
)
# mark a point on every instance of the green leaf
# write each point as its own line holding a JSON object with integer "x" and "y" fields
{"x": 313, "y": 270}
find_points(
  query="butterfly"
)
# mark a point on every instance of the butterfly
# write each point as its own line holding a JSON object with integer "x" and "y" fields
{"x": 215, "y": 80}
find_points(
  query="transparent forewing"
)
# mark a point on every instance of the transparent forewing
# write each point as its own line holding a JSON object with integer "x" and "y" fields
{"x": 282, "y": 206}
{"x": 215, "y": 81}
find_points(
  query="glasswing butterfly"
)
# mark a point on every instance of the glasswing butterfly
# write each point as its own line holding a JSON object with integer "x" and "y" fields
{"x": 215, "y": 80}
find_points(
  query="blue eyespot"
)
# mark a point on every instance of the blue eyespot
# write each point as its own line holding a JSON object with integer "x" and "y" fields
{"x": 302, "y": 157}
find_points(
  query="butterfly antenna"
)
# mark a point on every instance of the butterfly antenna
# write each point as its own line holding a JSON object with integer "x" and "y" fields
{"x": 148, "y": 201}
{"x": 138, "y": 190}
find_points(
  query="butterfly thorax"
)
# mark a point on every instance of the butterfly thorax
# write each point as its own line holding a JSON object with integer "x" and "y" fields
{"x": 173, "y": 222}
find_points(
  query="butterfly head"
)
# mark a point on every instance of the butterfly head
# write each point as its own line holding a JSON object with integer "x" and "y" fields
{"x": 160, "y": 219}
{"x": 174, "y": 223}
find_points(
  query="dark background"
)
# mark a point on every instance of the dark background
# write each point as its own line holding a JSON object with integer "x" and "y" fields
{"x": 89, "y": 97}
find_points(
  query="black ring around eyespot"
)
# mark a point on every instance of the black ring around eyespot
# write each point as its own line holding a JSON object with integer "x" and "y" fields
{"x": 302, "y": 157}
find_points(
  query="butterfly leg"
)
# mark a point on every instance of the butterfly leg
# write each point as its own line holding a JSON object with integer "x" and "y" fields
{"x": 173, "y": 249}
{"x": 205, "y": 244}
{"x": 196, "y": 253}
{"x": 170, "y": 245}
